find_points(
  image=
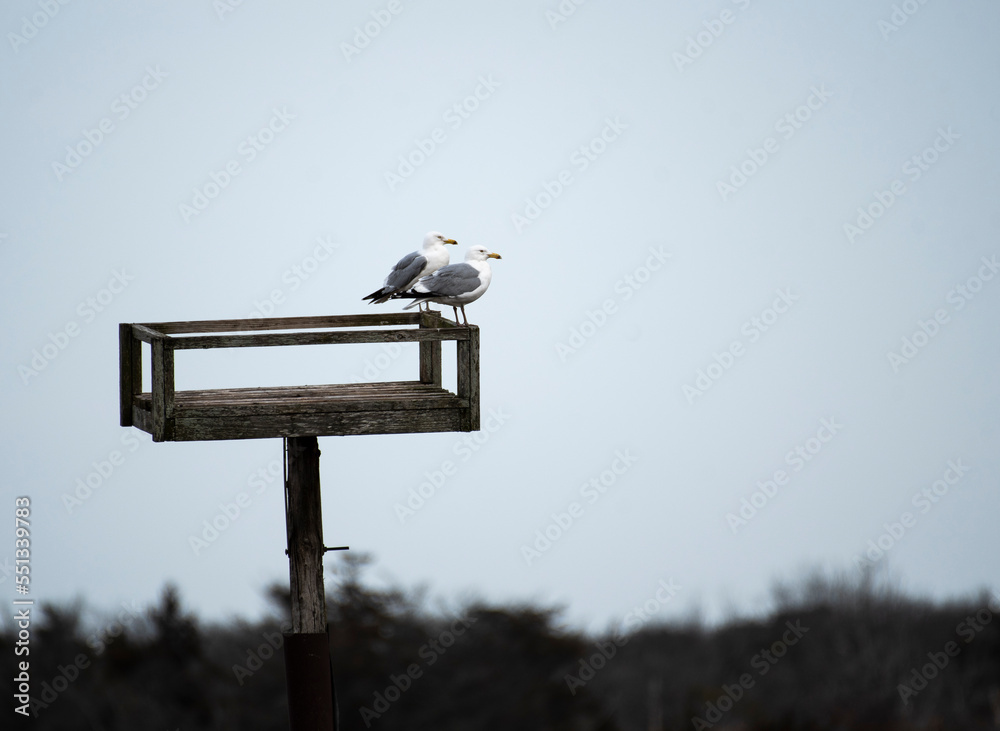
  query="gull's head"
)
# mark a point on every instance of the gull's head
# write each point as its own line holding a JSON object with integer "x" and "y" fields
{"x": 433, "y": 238}
{"x": 480, "y": 253}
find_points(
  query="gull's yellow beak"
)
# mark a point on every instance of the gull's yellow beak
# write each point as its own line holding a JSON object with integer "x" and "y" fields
{"x": 493, "y": 256}
{"x": 450, "y": 241}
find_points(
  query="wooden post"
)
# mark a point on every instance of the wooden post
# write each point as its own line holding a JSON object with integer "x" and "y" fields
{"x": 307, "y": 649}
{"x": 319, "y": 410}
{"x": 468, "y": 377}
{"x": 163, "y": 390}
{"x": 430, "y": 355}
{"x": 130, "y": 369}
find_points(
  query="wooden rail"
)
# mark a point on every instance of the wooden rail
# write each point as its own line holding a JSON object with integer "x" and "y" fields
{"x": 374, "y": 408}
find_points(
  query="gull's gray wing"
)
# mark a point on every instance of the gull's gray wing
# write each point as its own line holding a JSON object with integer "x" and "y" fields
{"x": 406, "y": 270}
{"x": 450, "y": 281}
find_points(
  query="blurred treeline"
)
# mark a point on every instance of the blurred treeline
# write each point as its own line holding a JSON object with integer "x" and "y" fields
{"x": 847, "y": 647}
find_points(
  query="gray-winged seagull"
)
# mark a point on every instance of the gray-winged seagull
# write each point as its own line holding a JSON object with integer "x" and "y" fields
{"x": 413, "y": 266}
{"x": 456, "y": 284}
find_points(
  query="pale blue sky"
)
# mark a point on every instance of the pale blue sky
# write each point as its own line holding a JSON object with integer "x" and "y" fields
{"x": 626, "y": 148}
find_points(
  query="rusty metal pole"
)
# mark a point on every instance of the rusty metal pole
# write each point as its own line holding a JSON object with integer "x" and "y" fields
{"x": 307, "y": 647}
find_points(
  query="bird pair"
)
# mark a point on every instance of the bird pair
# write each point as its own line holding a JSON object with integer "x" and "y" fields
{"x": 425, "y": 276}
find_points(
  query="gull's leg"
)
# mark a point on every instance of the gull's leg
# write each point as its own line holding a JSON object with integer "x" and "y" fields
{"x": 464, "y": 317}
{"x": 455, "y": 310}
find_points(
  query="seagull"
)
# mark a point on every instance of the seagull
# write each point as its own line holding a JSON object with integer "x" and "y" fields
{"x": 412, "y": 267}
{"x": 456, "y": 284}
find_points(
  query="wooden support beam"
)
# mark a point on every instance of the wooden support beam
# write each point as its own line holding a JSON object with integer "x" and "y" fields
{"x": 307, "y": 647}
{"x": 328, "y": 337}
{"x": 130, "y": 370}
{"x": 430, "y": 353}
{"x": 285, "y": 323}
{"x": 163, "y": 390}
{"x": 304, "y": 526}
{"x": 468, "y": 377}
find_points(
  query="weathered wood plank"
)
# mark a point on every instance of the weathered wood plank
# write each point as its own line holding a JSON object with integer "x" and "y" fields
{"x": 333, "y": 337}
{"x": 207, "y": 398}
{"x": 145, "y": 334}
{"x": 142, "y": 418}
{"x": 434, "y": 318}
{"x": 284, "y": 323}
{"x": 328, "y": 406}
{"x": 136, "y": 366}
{"x": 163, "y": 390}
{"x": 330, "y": 424}
{"x": 361, "y": 387}
{"x": 468, "y": 377}
{"x": 126, "y": 388}
{"x": 332, "y": 391}
{"x": 210, "y": 404}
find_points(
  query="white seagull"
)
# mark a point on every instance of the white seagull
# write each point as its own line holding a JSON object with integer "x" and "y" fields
{"x": 413, "y": 266}
{"x": 456, "y": 284}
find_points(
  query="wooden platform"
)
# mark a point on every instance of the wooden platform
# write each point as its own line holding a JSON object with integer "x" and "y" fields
{"x": 292, "y": 411}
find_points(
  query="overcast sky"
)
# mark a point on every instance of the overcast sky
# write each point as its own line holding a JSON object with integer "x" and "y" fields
{"x": 745, "y": 323}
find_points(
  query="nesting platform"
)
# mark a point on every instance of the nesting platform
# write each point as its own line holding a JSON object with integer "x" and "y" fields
{"x": 293, "y": 411}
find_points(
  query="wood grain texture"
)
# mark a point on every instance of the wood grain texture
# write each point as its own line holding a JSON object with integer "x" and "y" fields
{"x": 430, "y": 352}
{"x": 284, "y": 323}
{"x": 468, "y": 378}
{"x": 304, "y": 528}
{"x": 126, "y": 374}
{"x": 265, "y": 340}
{"x": 146, "y": 334}
{"x": 323, "y": 425}
{"x": 163, "y": 391}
